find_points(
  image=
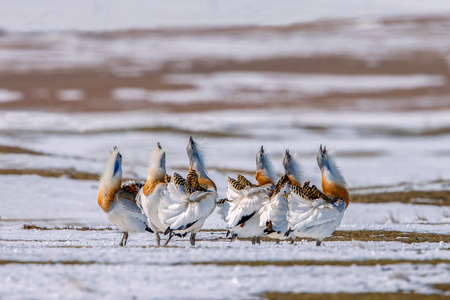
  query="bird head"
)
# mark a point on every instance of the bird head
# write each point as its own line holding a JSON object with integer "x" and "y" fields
{"x": 291, "y": 167}
{"x": 196, "y": 158}
{"x": 113, "y": 170}
{"x": 264, "y": 166}
{"x": 159, "y": 158}
{"x": 322, "y": 156}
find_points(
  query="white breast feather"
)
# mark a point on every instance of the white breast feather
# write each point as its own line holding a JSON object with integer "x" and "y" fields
{"x": 127, "y": 216}
{"x": 151, "y": 205}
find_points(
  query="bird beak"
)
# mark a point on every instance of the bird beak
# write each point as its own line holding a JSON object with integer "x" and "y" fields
{"x": 159, "y": 145}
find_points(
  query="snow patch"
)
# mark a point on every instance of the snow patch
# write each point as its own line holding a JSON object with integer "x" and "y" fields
{"x": 9, "y": 96}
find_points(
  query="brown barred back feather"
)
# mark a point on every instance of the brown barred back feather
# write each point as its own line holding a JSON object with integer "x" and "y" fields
{"x": 312, "y": 192}
{"x": 244, "y": 181}
{"x": 236, "y": 185}
{"x": 132, "y": 187}
{"x": 221, "y": 201}
{"x": 179, "y": 180}
{"x": 298, "y": 190}
{"x": 281, "y": 183}
{"x": 192, "y": 181}
{"x": 124, "y": 194}
{"x": 307, "y": 190}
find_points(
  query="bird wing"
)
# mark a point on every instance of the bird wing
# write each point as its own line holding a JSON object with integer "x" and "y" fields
{"x": 304, "y": 213}
{"x": 126, "y": 214}
{"x": 182, "y": 209}
{"x": 246, "y": 202}
{"x": 150, "y": 205}
{"x": 224, "y": 209}
{"x": 275, "y": 211}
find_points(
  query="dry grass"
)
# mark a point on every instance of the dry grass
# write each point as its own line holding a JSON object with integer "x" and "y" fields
{"x": 362, "y": 296}
{"x": 381, "y": 236}
{"x": 18, "y": 150}
{"x": 48, "y": 262}
{"x": 290, "y": 263}
{"x": 84, "y": 228}
{"x": 248, "y": 263}
{"x": 69, "y": 173}
{"x": 441, "y": 198}
{"x": 444, "y": 287}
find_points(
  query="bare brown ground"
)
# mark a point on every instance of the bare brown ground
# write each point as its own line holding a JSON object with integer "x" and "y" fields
{"x": 17, "y": 150}
{"x": 40, "y": 87}
{"x": 441, "y": 198}
{"x": 98, "y": 84}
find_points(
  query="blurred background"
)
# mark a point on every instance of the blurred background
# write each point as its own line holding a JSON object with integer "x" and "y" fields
{"x": 368, "y": 79}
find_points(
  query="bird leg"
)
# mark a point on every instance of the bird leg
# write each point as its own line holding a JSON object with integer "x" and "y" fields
{"x": 318, "y": 243}
{"x": 258, "y": 240}
{"x": 254, "y": 240}
{"x": 123, "y": 242}
{"x": 192, "y": 238}
{"x": 170, "y": 237}
{"x": 293, "y": 241}
{"x": 158, "y": 239}
{"x": 233, "y": 235}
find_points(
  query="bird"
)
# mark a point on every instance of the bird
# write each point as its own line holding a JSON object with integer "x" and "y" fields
{"x": 245, "y": 199}
{"x": 118, "y": 200}
{"x": 151, "y": 195}
{"x": 314, "y": 213}
{"x": 189, "y": 202}
{"x": 274, "y": 212}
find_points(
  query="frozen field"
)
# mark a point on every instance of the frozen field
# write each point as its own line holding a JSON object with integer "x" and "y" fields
{"x": 370, "y": 80}
{"x": 75, "y": 263}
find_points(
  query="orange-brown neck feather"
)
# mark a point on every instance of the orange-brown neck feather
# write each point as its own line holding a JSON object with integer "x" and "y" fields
{"x": 106, "y": 195}
{"x": 262, "y": 178}
{"x": 206, "y": 183}
{"x": 294, "y": 181}
{"x": 151, "y": 184}
{"x": 330, "y": 188}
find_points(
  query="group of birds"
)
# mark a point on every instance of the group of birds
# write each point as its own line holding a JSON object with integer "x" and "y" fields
{"x": 283, "y": 209}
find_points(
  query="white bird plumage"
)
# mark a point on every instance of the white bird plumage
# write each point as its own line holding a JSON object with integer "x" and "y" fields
{"x": 274, "y": 212}
{"x": 186, "y": 210}
{"x": 318, "y": 218}
{"x": 151, "y": 195}
{"x": 118, "y": 201}
{"x": 244, "y": 202}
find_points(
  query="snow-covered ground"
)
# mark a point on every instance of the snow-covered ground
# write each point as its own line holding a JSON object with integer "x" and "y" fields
{"x": 83, "y": 264}
{"x": 63, "y": 201}
{"x": 100, "y": 15}
{"x": 373, "y": 148}
{"x": 88, "y": 264}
